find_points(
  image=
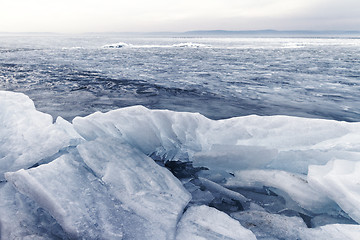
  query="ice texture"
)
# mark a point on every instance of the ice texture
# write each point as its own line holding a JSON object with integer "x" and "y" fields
{"x": 270, "y": 226}
{"x": 142, "y": 186}
{"x": 287, "y": 144}
{"x": 233, "y": 144}
{"x": 275, "y": 227}
{"x": 289, "y": 185}
{"x": 222, "y": 190}
{"x": 123, "y": 193}
{"x": 28, "y": 136}
{"x": 235, "y": 157}
{"x": 340, "y": 181}
{"x": 96, "y": 178}
{"x": 326, "y": 219}
{"x": 203, "y": 222}
{"x": 169, "y": 135}
{"x": 332, "y": 231}
{"x": 76, "y": 199}
{"x": 22, "y": 218}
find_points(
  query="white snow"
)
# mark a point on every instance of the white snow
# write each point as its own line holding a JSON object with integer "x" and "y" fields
{"x": 203, "y": 222}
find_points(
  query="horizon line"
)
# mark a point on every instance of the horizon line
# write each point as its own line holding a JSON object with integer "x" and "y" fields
{"x": 215, "y": 31}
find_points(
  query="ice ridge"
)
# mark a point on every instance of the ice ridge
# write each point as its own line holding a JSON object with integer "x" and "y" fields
{"x": 242, "y": 178}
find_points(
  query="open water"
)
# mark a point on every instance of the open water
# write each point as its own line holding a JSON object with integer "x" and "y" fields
{"x": 220, "y": 77}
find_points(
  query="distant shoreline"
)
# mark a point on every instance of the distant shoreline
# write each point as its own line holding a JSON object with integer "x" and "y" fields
{"x": 210, "y": 33}
{"x": 275, "y": 32}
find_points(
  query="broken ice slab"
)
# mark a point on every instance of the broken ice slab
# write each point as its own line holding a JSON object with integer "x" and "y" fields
{"x": 291, "y": 186}
{"x": 340, "y": 181}
{"x": 331, "y": 231}
{"x": 22, "y": 218}
{"x": 234, "y": 157}
{"x": 274, "y": 226}
{"x": 218, "y": 189}
{"x": 160, "y": 132}
{"x": 203, "y": 222}
{"x": 326, "y": 219}
{"x": 79, "y": 201}
{"x": 276, "y": 142}
{"x": 270, "y": 226}
{"x": 142, "y": 186}
{"x": 27, "y": 135}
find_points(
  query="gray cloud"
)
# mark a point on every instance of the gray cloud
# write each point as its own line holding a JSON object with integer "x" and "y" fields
{"x": 171, "y": 15}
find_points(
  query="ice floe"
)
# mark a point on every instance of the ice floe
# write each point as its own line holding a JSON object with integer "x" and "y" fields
{"x": 191, "y": 45}
{"x": 117, "y": 45}
{"x": 178, "y": 45}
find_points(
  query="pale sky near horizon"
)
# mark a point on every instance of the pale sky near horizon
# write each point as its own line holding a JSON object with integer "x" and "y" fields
{"x": 76, "y": 16}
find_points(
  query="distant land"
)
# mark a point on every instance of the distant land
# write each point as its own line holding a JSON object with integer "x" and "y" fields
{"x": 271, "y": 32}
{"x": 267, "y": 32}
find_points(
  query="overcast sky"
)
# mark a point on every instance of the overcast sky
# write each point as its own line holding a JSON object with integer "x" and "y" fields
{"x": 75, "y": 16}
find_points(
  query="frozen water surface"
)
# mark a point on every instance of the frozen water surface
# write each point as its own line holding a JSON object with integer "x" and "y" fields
{"x": 137, "y": 173}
